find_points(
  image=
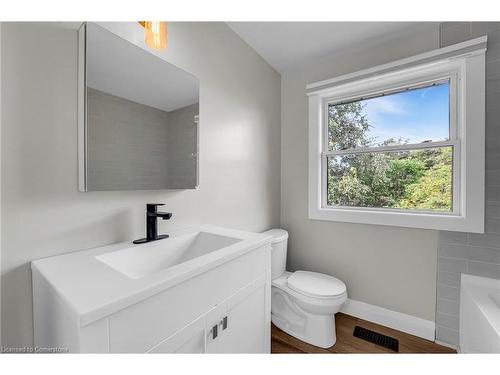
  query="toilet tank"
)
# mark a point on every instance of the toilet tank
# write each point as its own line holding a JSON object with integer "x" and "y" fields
{"x": 279, "y": 245}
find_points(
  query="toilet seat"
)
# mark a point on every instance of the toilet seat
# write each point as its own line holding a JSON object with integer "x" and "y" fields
{"x": 321, "y": 303}
{"x": 316, "y": 285}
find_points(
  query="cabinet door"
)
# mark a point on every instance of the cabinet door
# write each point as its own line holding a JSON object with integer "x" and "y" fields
{"x": 190, "y": 339}
{"x": 241, "y": 322}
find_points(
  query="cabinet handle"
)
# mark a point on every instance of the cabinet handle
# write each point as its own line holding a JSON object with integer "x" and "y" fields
{"x": 224, "y": 323}
{"x": 214, "y": 332}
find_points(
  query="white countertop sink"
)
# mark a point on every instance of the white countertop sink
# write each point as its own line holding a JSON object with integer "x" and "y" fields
{"x": 141, "y": 260}
{"x": 98, "y": 282}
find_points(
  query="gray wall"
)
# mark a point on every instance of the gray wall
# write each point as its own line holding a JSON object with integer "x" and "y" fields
{"x": 43, "y": 213}
{"x": 476, "y": 254}
{"x": 394, "y": 268}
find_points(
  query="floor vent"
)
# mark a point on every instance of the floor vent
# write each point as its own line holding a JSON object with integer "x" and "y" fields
{"x": 377, "y": 338}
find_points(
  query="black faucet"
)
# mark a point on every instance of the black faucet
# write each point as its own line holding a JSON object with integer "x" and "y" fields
{"x": 152, "y": 225}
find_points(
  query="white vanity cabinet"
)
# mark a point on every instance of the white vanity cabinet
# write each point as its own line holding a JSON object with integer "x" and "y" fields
{"x": 239, "y": 323}
{"x": 233, "y": 326}
{"x": 220, "y": 307}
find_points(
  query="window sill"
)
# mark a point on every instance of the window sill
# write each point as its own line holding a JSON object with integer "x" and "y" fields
{"x": 473, "y": 223}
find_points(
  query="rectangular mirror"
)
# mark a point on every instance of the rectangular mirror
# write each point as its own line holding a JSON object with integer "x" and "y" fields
{"x": 138, "y": 117}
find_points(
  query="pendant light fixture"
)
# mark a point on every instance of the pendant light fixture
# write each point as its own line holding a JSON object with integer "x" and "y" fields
{"x": 155, "y": 34}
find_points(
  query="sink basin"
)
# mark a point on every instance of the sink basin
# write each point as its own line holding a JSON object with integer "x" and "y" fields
{"x": 142, "y": 260}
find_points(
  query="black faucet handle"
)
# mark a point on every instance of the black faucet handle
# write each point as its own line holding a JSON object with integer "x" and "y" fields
{"x": 164, "y": 215}
{"x": 151, "y": 207}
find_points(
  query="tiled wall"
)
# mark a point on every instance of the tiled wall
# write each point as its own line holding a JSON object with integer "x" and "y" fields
{"x": 476, "y": 254}
{"x": 119, "y": 130}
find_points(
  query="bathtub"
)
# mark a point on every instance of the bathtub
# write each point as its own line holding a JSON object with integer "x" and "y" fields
{"x": 479, "y": 315}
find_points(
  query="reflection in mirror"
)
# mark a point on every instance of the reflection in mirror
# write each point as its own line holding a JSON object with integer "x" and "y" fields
{"x": 140, "y": 127}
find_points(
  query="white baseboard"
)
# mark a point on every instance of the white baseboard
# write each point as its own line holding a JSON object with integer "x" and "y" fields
{"x": 402, "y": 322}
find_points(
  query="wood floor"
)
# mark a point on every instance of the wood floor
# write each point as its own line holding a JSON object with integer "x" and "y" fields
{"x": 347, "y": 343}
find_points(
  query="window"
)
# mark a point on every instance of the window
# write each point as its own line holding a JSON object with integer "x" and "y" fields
{"x": 392, "y": 150}
{"x": 402, "y": 146}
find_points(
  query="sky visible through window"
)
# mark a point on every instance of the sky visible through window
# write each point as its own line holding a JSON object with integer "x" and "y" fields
{"x": 414, "y": 116}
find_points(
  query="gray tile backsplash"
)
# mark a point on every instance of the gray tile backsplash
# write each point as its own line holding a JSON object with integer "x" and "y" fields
{"x": 448, "y": 307}
{"x": 480, "y": 254}
{"x": 492, "y": 225}
{"x": 477, "y": 254}
{"x": 493, "y": 86}
{"x": 447, "y": 335}
{"x": 484, "y": 269}
{"x": 485, "y": 240}
{"x": 493, "y": 192}
{"x": 452, "y": 265}
{"x": 449, "y": 278}
{"x": 493, "y": 208}
{"x": 493, "y": 178}
{"x": 451, "y": 293}
{"x": 448, "y": 321}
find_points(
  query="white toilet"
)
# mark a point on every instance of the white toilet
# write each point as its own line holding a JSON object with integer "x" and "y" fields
{"x": 303, "y": 304}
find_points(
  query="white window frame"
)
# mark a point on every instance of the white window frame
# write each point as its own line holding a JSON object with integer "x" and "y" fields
{"x": 464, "y": 65}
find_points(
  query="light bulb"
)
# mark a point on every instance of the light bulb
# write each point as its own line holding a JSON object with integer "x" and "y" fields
{"x": 155, "y": 34}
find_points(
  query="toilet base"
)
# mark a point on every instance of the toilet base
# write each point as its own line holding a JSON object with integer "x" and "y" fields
{"x": 310, "y": 319}
{"x": 316, "y": 330}
{"x": 288, "y": 315}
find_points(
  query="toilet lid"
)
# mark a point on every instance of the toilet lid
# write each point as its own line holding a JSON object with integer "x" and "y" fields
{"x": 278, "y": 235}
{"x": 316, "y": 284}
